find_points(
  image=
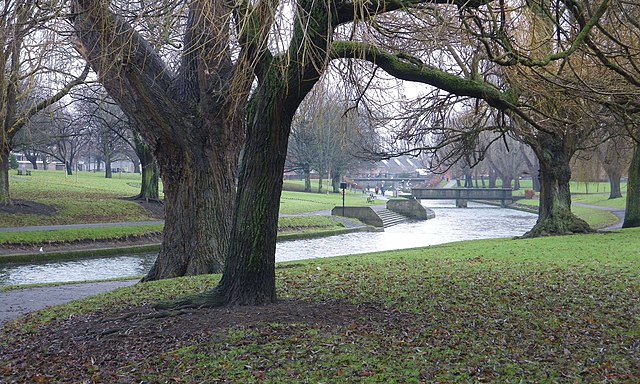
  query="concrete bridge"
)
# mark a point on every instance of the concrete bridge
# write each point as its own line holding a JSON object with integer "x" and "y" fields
{"x": 374, "y": 180}
{"x": 462, "y": 195}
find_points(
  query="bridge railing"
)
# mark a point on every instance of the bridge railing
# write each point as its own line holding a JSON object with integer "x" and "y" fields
{"x": 505, "y": 195}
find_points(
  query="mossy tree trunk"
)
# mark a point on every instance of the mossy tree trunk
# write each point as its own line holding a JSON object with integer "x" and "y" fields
{"x": 197, "y": 194}
{"x": 5, "y": 197}
{"x": 554, "y": 211}
{"x": 149, "y": 187}
{"x": 632, "y": 210}
{"x": 283, "y": 82}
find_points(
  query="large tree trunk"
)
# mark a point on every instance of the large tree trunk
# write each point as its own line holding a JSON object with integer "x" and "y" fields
{"x": 193, "y": 120}
{"x": 149, "y": 188}
{"x": 554, "y": 212}
{"x": 614, "y": 183}
{"x": 249, "y": 274}
{"x": 632, "y": 211}
{"x": 136, "y": 164}
{"x": 68, "y": 167}
{"x": 198, "y": 199}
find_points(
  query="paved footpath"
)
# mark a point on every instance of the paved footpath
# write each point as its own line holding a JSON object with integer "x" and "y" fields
{"x": 20, "y": 301}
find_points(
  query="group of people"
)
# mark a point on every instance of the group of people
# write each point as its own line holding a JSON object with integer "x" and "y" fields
{"x": 378, "y": 190}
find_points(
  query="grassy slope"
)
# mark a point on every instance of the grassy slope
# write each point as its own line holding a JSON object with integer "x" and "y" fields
{"x": 85, "y": 197}
{"x": 540, "y": 310}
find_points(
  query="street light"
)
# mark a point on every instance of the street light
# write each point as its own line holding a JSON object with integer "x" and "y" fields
{"x": 343, "y": 186}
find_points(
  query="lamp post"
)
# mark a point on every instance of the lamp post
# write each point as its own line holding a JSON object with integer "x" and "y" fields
{"x": 343, "y": 186}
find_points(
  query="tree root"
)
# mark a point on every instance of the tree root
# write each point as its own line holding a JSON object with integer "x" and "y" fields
{"x": 209, "y": 299}
{"x": 558, "y": 227}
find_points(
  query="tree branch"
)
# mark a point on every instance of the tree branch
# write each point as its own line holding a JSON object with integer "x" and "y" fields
{"x": 22, "y": 120}
{"x": 414, "y": 70}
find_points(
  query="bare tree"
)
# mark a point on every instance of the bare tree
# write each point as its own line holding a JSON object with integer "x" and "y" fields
{"x": 67, "y": 138}
{"x": 32, "y": 56}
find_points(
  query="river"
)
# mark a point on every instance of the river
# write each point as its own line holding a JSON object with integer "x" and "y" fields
{"x": 451, "y": 224}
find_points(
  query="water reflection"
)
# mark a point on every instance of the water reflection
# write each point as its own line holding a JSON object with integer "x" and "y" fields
{"x": 76, "y": 270}
{"x": 451, "y": 224}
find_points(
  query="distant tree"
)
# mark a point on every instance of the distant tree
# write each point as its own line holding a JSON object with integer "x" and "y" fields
{"x": 586, "y": 168}
{"x": 68, "y": 136}
{"x": 326, "y": 136}
{"x": 614, "y": 155}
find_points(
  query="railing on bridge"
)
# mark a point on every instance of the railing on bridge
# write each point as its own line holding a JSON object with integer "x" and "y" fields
{"x": 461, "y": 195}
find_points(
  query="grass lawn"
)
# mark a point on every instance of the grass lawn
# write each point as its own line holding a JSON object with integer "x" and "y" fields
{"x": 85, "y": 197}
{"x": 595, "y": 217}
{"x": 559, "y": 309}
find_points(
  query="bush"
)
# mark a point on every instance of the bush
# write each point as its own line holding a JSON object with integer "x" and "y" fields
{"x": 13, "y": 162}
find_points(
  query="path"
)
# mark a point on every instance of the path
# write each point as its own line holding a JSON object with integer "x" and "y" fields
{"x": 20, "y": 301}
{"x": 619, "y": 213}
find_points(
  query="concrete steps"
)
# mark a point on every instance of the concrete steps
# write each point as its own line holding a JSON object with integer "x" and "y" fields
{"x": 390, "y": 218}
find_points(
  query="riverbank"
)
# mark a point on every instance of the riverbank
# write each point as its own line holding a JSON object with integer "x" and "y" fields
{"x": 557, "y": 309}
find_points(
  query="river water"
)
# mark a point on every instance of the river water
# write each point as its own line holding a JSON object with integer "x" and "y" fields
{"x": 450, "y": 224}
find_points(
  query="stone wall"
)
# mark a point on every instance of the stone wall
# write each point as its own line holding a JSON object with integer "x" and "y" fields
{"x": 364, "y": 214}
{"x": 410, "y": 208}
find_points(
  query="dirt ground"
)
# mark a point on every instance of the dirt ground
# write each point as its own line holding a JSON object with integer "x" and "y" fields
{"x": 113, "y": 348}
{"x": 24, "y": 207}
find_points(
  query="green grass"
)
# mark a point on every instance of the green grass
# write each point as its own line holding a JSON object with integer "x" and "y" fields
{"x": 103, "y": 233}
{"x": 88, "y": 197}
{"x": 85, "y": 197}
{"x": 559, "y": 309}
{"x": 71, "y": 235}
{"x": 600, "y": 200}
